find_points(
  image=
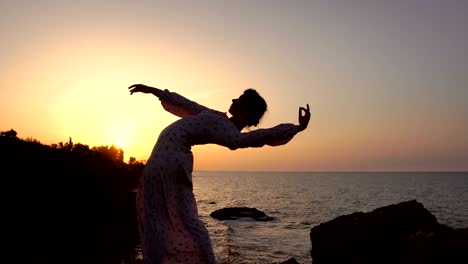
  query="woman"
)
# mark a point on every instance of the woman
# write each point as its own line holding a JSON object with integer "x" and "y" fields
{"x": 170, "y": 229}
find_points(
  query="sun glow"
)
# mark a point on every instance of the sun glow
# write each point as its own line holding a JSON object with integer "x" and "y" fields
{"x": 118, "y": 143}
{"x": 119, "y": 135}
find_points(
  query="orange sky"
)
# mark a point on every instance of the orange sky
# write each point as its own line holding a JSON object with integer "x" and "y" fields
{"x": 386, "y": 83}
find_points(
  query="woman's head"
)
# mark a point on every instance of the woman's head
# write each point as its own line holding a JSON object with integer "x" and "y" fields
{"x": 250, "y": 105}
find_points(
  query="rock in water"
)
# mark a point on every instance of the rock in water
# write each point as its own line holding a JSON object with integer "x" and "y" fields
{"x": 400, "y": 233}
{"x": 234, "y": 213}
{"x": 290, "y": 261}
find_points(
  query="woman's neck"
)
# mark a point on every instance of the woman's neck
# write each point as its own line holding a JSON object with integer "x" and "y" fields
{"x": 238, "y": 121}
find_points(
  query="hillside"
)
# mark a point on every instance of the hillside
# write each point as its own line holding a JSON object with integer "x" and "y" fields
{"x": 66, "y": 203}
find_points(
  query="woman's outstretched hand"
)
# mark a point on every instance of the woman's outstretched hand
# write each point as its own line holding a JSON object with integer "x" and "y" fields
{"x": 141, "y": 88}
{"x": 304, "y": 117}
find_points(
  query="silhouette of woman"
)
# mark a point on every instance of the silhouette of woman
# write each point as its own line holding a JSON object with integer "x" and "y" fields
{"x": 169, "y": 226}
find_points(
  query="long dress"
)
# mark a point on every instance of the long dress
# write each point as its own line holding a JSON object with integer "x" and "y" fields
{"x": 169, "y": 227}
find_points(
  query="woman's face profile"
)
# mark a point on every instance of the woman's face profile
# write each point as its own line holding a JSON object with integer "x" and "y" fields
{"x": 237, "y": 105}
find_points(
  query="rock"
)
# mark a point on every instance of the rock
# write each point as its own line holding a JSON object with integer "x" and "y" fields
{"x": 234, "y": 213}
{"x": 290, "y": 261}
{"x": 446, "y": 245}
{"x": 400, "y": 233}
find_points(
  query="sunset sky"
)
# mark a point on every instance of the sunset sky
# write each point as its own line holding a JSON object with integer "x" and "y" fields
{"x": 387, "y": 81}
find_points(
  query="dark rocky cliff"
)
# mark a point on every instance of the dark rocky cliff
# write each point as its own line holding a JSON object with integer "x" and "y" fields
{"x": 400, "y": 233}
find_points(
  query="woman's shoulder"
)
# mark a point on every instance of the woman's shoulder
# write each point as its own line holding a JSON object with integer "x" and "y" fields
{"x": 213, "y": 112}
{"x": 215, "y": 117}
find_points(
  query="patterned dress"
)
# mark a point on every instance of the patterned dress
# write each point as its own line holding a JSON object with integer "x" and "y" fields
{"x": 169, "y": 226}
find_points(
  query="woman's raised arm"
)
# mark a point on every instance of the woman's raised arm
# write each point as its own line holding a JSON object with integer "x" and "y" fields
{"x": 225, "y": 133}
{"x": 172, "y": 102}
{"x": 274, "y": 136}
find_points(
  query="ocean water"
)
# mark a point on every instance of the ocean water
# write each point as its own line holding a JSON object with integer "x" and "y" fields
{"x": 301, "y": 200}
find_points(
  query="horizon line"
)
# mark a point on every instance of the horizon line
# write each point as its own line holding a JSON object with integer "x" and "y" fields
{"x": 341, "y": 171}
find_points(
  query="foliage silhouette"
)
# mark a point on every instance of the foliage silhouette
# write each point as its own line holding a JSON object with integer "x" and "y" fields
{"x": 67, "y": 203}
{"x": 11, "y": 133}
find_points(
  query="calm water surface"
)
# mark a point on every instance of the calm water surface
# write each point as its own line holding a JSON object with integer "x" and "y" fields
{"x": 301, "y": 200}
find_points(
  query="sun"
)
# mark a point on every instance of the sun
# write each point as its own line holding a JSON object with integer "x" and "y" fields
{"x": 118, "y": 143}
{"x": 119, "y": 135}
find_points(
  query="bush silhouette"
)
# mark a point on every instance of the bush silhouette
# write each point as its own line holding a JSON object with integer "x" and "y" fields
{"x": 67, "y": 203}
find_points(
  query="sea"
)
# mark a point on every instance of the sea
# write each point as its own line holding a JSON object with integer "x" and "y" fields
{"x": 300, "y": 200}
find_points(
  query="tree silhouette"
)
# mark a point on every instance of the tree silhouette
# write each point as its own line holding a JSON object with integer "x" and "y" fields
{"x": 11, "y": 133}
{"x": 81, "y": 148}
{"x": 113, "y": 153}
{"x": 82, "y": 201}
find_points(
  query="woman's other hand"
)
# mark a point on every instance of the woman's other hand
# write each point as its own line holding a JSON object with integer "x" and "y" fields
{"x": 304, "y": 117}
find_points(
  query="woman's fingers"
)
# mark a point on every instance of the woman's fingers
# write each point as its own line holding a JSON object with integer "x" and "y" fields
{"x": 135, "y": 88}
{"x": 306, "y": 110}
{"x": 304, "y": 117}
